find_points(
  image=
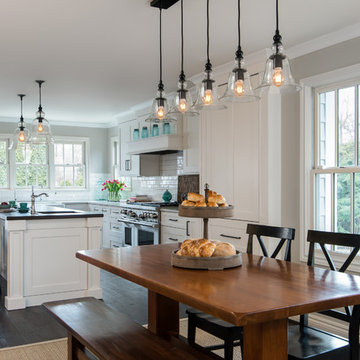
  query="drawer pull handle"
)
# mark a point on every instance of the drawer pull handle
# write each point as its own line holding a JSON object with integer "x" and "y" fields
{"x": 230, "y": 237}
{"x": 116, "y": 227}
{"x": 175, "y": 220}
{"x": 187, "y": 228}
{"x": 115, "y": 212}
{"x": 173, "y": 239}
{"x": 116, "y": 246}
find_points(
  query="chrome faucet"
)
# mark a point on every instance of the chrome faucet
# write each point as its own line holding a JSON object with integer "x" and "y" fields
{"x": 33, "y": 197}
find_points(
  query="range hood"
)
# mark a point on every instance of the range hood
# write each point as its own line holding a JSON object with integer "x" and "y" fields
{"x": 163, "y": 144}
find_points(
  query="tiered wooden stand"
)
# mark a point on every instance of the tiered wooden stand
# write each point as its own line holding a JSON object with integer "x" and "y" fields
{"x": 211, "y": 263}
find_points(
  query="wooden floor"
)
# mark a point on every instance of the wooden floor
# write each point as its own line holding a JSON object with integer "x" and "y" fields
{"x": 34, "y": 324}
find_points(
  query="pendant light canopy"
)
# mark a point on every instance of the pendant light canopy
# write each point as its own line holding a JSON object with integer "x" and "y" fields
{"x": 239, "y": 86}
{"x": 21, "y": 134}
{"x": 40, "y": 128}
{"x": 160, "y": 107}
{"x": 183, "y": 100}
{"x": 207, "y": 96}
{"x": 277, "y": 69}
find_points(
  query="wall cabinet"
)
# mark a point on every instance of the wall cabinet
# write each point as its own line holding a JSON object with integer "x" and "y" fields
{"x": 191, "y": 145}
{"x": 230, "y": 156}
{"x": 128, "y": 164}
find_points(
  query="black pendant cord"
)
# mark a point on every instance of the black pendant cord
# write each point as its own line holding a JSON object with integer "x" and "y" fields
{"x": 239, "y": 53}
{"x": 277, "y": 37}
{"x": 161, "y": 85}
{"x": 208, "y": 66}
{"x": 182, "y": 74}
{"x": 21, "y": 112}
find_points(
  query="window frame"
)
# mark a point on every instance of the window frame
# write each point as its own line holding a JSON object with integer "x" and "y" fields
{"x": 86, "y": 153}
{"x": 115, "y": 156}
{"x": 7, "y": 139}
{"x": 309, "y": 155}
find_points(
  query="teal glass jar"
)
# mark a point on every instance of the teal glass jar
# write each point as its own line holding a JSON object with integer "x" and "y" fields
{"x": 155, "y": 130}
{"x": 144, "y": 132}
{"x": 166, "y": 128}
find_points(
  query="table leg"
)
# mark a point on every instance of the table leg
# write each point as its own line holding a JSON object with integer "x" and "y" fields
{"x": 163, "y": 315}
{"x": 266, "y": 341}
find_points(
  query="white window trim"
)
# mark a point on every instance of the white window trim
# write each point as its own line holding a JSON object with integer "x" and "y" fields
{"x": 307, "y": 151}
{"x": 72, "y": 140}
{"x": 7, "y": 138}
{"x": 114, "y": 139}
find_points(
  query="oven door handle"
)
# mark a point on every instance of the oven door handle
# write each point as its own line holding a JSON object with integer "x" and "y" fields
{"x": 138, "y": 223}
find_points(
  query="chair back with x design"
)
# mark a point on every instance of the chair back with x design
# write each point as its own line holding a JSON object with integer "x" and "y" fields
{"x": 286, "y": 235}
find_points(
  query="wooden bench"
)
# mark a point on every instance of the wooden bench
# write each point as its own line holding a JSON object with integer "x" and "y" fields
{"x": 110, "y": 335}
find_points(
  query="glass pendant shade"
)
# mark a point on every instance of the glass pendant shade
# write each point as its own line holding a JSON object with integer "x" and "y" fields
{"x": 159, "y": 110}
{"x": 183, "y": 103}
{"x": 21, "y": 135}
{"x": 41, "y": 132}
{"x": 207, "y": 98}
{"x": 278, "y": 74}
{"x": 239, "y": 87}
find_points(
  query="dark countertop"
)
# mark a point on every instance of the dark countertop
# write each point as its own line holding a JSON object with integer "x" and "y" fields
{"x": 49, "y": 212}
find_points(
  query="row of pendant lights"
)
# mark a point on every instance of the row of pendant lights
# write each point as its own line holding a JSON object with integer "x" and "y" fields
{"x": 277, "y": 73}
{"x": 40, "y": 128}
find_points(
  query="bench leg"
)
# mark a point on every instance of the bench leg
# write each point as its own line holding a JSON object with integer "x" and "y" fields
{"x": 163, "y": 315}
{"x": 75, "y": 349}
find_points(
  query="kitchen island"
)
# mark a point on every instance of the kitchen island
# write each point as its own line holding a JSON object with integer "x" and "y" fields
{"x": 38, "y": 255}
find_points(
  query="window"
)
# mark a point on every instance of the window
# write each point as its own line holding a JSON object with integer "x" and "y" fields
{"x": 336, "y": 173}
{"x": 69, "y": 163}
{"x": 4, "y": 164}
{"x": 31, "y": 165}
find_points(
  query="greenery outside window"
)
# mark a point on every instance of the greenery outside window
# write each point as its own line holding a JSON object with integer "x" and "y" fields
{"x": 70, "y": 165}
{"x": 32, "y": 167}
{"x": 336, "y": 172}
{"x": 4, "y": 164}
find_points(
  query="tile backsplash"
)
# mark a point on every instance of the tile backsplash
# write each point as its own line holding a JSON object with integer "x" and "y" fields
{"x": 171, "y": 165}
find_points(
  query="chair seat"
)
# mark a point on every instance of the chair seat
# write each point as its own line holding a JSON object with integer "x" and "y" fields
{"x": 213, "y": 325}
{"x": 309, "y": 343}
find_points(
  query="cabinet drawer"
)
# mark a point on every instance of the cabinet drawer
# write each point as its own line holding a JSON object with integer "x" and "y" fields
{"x": 172, "y": 235}
{"x": 116, "y": 227}
{"x": 115, "y": 212}
{"x": 115, "y": 244}
{"x": 234, "y": 236}
{"x": 173, "y": 220}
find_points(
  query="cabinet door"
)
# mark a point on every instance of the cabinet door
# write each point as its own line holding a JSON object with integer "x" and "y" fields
{"x": 129, "y": 164}
{"x": 246, "y": 161}
{"x": 171, "y": 235}
{"x": 50, "y": 264}
{"x": 217, "y": 152}
{"x": 193, "y": 228}
{"x": 234, "y": 236}
{"x": 191, "y": 144}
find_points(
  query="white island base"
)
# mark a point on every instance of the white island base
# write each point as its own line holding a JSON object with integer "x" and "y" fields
{"x": 41, "y": 262}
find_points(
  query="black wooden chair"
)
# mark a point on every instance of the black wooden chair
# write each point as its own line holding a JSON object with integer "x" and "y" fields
{"x": 230, "y": 334}
{"x": 306, "y": 342}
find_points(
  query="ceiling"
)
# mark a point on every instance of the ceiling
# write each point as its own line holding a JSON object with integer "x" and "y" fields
{"x": 100, "y": 57}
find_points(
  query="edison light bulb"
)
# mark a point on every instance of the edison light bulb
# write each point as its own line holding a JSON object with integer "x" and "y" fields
{"x": 21, "y": 136}
{"x": 208, "y": 97}
{"x": 160, "y": 112}
{"x": 183, "y": 106}
{"x": 278, "y": 77}
{"x": 239, "y": 89}
{"x": 40, "y": 127}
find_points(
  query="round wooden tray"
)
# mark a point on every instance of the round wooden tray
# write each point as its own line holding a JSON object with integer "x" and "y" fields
{"x": 206, "y": 263}
{"x": 206, "y": 212}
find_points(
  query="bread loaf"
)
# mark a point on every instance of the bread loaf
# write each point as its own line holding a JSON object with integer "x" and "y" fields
{"x": 200, "y": 204}
{"x": 207, "y": 249}
{"x": 212, "y": 204}
{"x": 219, "y": 199}
{"x": 224, "y": 249}
{"x": 195, "y": 197}
{"x": 187, "y": 203}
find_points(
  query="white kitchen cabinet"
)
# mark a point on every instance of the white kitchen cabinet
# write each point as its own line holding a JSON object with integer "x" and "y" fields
{"x": 128, "y": 164}
{"x": 177, "y": 228}
{"x": 230, "y": 156}
{"x": 191, "y": 145}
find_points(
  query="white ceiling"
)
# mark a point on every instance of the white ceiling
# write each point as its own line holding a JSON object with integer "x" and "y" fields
{"x": 100, "y": 57}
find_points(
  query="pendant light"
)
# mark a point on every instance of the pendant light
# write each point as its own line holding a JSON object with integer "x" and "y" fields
{"x": 40, "y": 128}
{"x": 239, "y": 86}
{"x": 160, "y": 107}
{"x": 21, "y": 134}
{"x": 183, "y": 100}
{"x": 207, "y": 97}
{"x": 277, "y": 69}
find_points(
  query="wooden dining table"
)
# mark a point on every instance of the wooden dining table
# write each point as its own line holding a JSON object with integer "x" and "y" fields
{"x": 260, "y": 295}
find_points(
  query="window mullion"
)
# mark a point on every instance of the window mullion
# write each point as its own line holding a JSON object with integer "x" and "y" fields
{"x": 337, "y": 127}
{"x": 357, "y": 125}
{"x": 333, "y": 202}
{"x": 352, "y": 197}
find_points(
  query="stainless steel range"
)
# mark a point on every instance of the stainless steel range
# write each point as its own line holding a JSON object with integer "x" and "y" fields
{"x": 141, "y": 223}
